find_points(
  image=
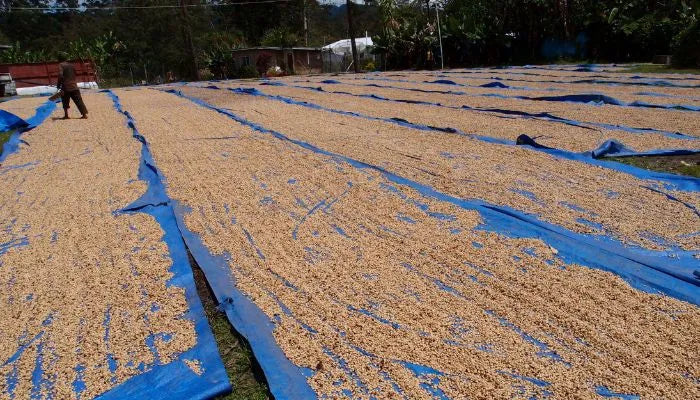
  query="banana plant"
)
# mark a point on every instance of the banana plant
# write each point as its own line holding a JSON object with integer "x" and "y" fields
{"x": 16, "y": 55}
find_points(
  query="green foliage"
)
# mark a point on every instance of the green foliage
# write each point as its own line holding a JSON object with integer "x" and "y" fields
{"x": 218, "y": 56}
{"x": 660, "y": 69}
{"x": 234, "y": 350}
{"x": 4, "y": 137}
{"x": 409, "y": 34}
{"x": 279, "y": 37}
{"x": 102, "y": 50}
{"x": 247, "y": 71}
{"x": 206, "y": 74}
{"x": 219, "y": 60}
{"x": 683, "y": 165}
{"x": 151, "y": 43}
{"x": 17, "y": 54}
{"x": 274, "y": 71}
{"x": 527, "y": 31}
{"x": 639, "y": 25}
{"x": 686, "y": 47}
{"x": 154, "y": 42}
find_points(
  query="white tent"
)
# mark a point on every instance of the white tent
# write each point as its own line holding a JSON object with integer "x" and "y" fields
{"x": 343, "y": 46}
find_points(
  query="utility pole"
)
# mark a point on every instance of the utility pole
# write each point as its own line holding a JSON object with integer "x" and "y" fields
{"x": 351, "y": 31}
{"x": 437, "y": 14}
{"x": 187, "y": 32}
{"x": 306, "y": 26}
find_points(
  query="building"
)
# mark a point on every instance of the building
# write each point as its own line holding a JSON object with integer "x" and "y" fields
{"x": 337, "y": 56}
{"x": 290, "y": 60}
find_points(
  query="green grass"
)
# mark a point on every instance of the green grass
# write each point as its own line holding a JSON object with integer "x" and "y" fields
{"x": 243, "y": 372}
{"x": 111, "y": 83}
{"x": 661, "y": 69}
{"x": 238, "y": 360}
{"x": 570, "y": 61}
{"x": 680, "y": 165}
{"x": 4, "y": 137}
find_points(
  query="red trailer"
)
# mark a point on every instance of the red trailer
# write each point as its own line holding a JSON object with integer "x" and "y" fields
{"x": 46, "y": 73}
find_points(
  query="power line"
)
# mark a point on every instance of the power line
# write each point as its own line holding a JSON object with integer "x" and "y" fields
{"x": 146, "y": 7}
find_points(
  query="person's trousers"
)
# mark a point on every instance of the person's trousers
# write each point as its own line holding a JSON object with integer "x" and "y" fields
{"x": 77, "y": 99}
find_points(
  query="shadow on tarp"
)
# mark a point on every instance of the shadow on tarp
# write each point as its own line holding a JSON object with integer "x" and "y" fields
{"x": 10, "y": 121}
{"x": 668, "y": 272}
{"x": 174, "y": 380}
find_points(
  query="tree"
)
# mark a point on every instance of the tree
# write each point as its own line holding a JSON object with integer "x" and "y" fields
{"x": 279, "y": 37}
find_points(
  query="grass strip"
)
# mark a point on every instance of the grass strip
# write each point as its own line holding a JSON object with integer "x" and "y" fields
{"x": 246, "y": 376}
{"x": 660, "y": 68}
{"x": 4, "y": 137}
{"x": 683, "y": 165}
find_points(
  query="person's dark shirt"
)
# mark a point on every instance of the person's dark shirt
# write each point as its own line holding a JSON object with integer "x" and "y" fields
{"x": 66, "y": 77}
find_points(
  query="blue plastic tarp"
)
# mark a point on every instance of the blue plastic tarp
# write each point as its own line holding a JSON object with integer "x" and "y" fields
{"x": 613, "y": 148}
{"x": 174, "y": 380}
{"x": 20, "y": 126}
{"x": 9, "y": 121}
{"x": 600, "y": 99}
{"x": 668, "y": 272}
{"x": 586, "y": 98}
{"x": 671, "y": 181}
{"x": 286, "y": 380}
{"x": 545, "y": 116}
{"x": 650, "y": 81}
{"x": 671, "y": 273}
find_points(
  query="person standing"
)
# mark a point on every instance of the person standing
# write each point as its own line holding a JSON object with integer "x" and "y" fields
{"x": 68, "y": 83}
